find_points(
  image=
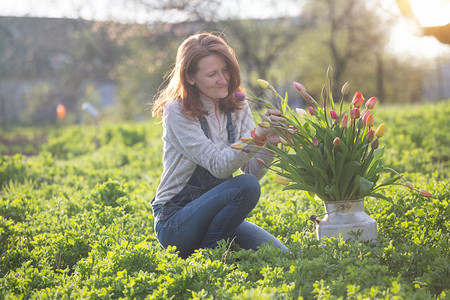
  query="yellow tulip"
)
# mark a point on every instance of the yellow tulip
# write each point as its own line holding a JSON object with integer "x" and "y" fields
{"x": 264, "y": 124}
{"x": 282, "y": 180}
{"x": 263, "y": 83}
{"x": 247, "y": 140}
{"x": 380, "y": 130}
{"x": 238, "y": 146}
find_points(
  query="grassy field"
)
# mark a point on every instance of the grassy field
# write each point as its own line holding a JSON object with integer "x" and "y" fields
{"x": 76, "y": 222}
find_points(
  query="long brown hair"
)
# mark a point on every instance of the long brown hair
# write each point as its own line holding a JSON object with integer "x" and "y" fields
{"x": 190, "y": 52}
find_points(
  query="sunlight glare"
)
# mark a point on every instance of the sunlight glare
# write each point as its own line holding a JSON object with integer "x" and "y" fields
{"x": 431, "y": 12}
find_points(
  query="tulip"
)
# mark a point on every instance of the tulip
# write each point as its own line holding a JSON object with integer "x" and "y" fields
{"x": 247, "y": 140}
{"x": 264, "y": 124}
{"x": 354, "y": 113}
{"x": 266, "y": 118}
{"x": 375, "y": 144}
{"x": 300, "y": 112}
{"x": 358, "y": 99}
{"x": 260, "y": 161}
{"x": 283, "y": 141}
{"x": 330, "y": 72}
{"x": 311, "y": 111}
{"x": 369, "y": 121}
{"x": 308, "y": 98}
{"x": 337, "y": 141}
{"x": 344, "y": 121}
{"x": 370, "y": 135}
{"x": 239, "y": 96}
{"x": 282, "y": 180}
{"x": 324, "y": 93}
{"x": 410, "y": 185}
{"x": 298, "y": 86}
{"x": 238, "y": 146}
{"x": 360, "y": 124}
{"x": 345, "y": 88}
{"x": 370, "y": 104}
{"x": 315, "y": 142}
{"x": 263, "y": 83}
{"x": 333, "y": 115}
{"x": 366, "y": 115}
{"x": 380, "y": 131}
{"x": 424, "y": 193}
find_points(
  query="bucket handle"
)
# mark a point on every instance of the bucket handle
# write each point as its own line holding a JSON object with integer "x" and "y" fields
{"x": 344, "y": 207}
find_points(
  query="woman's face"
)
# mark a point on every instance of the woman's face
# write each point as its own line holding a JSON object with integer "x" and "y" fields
{"x": 212, "y": 77}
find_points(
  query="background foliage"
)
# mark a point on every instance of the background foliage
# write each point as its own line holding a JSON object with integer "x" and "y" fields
{"x": 50, "y": 61}
{"x": 75, "y": 222}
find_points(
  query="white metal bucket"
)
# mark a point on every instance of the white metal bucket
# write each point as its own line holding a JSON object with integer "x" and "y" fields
{"x": 343, "y": 217}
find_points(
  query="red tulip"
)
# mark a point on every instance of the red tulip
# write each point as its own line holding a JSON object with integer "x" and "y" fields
{"x": 424, "y": 193}
{"x": 337, "y": 141}
{"x": 344, "y": 121}
{"x": 333, "y": 115}
{"x": 369, "y": 121}
{"x": 370, "y": 135}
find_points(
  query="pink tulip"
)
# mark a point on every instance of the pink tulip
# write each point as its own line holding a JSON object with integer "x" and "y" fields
{"x": 366, "y": 115}
{"x": 354, "y": 113}
{"x": 370, "y": 104}
{"x": 298, "y": 86}
{"x": 333, "y": 115}
{"x": 315, "y": 142}
{"x": 308, "y": 98}
{"x": 358, "y": 99}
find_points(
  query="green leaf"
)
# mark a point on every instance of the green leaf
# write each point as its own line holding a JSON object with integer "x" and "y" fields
{"x": 365, "y": 185}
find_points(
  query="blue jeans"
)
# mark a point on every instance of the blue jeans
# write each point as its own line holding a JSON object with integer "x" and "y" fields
{"x": 217, "y": 214}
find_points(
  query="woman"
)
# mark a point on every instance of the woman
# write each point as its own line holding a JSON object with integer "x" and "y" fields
{"x": 198, "y": 202}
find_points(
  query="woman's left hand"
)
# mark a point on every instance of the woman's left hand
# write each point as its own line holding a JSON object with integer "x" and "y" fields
{"x": 275, "y": 116}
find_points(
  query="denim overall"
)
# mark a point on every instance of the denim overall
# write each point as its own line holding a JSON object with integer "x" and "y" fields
{"x": 200, "y": 182}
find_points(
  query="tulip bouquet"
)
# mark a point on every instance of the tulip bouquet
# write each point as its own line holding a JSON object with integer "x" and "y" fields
{"x": 329, "y": 151}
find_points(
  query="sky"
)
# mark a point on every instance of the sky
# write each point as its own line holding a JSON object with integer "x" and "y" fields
{"x": 402, "y": 40}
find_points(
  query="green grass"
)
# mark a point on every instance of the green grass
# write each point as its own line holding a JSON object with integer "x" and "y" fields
{"x": 76, "y": 222}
